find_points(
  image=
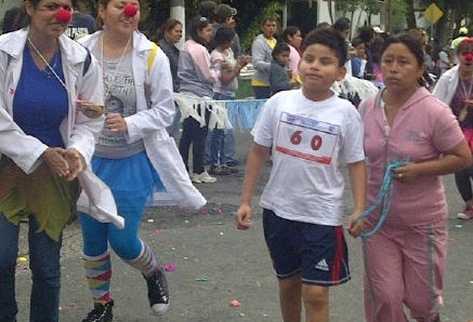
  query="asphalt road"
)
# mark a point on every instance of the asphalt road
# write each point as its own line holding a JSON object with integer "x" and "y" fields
{"x": 216, "y": 264}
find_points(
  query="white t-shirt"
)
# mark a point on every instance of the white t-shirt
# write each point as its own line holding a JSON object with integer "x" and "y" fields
{"x": 309, "y": 139}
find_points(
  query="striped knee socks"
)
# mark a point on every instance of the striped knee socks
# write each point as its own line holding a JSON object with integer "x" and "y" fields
{"x": 98, "y": 271}
{"x": 146, "y": 262}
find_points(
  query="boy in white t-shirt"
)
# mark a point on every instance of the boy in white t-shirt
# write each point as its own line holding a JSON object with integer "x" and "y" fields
{"x": 310, "y": 132}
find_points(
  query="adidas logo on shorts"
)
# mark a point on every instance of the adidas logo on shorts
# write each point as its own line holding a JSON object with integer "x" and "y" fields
{"x": 322, "y": 266}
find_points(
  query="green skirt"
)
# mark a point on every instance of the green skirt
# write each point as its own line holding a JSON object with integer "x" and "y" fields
{"x": 42, "y": 194}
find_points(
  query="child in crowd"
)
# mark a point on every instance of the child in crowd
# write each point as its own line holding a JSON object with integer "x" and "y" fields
{"x": 311, "y": 132}
{"x": 227, "y": 69}
{"x": 358, "y": 61}
{"x": 279, "y": 74}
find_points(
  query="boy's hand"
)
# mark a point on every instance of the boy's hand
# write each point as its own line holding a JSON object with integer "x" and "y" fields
{"x": 243, "y": 217}
{"x": 356, "y": 224}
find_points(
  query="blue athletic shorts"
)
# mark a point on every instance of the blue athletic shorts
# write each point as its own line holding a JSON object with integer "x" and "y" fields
{"x": 316, "y": 252}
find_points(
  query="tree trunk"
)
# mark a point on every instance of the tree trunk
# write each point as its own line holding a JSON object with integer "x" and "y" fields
{"x": 411, "y": 15}
{"x": 330, "y": 11}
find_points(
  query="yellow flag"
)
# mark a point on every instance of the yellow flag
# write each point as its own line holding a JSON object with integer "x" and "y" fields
{"x": 433, "y": 13}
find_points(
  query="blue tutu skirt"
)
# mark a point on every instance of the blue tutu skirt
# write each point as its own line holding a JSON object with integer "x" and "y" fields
{"x": 133, "y": 180}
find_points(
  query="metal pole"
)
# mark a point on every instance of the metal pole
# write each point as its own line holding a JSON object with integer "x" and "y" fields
{"x": 387, "y": 15}
{"x": 178, "y": 11}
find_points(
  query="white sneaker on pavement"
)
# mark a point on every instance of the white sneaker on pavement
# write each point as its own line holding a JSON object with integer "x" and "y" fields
{"x": 203, "y": 177}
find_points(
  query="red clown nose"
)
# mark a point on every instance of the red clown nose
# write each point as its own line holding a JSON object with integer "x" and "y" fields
{"x": 468, "y": 56}
{"x": 64, "y": 16}
{"x": 130, "y": 10}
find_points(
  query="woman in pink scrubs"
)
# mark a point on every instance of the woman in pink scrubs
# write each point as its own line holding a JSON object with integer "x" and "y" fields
{"x": 405, "y": 260}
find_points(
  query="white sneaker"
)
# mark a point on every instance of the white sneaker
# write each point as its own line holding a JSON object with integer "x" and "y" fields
{"x": 466, "y": 214}
{"x": 195, "y": 178}
{"x": 204, "y": 177}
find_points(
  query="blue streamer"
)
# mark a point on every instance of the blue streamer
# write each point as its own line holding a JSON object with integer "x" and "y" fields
{"x": 383, "y": 199}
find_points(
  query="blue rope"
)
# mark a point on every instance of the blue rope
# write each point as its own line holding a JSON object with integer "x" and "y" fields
{"x": 383, "y": 199}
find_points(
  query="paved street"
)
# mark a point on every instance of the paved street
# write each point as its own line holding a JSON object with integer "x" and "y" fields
{"x": 215, "y": 264}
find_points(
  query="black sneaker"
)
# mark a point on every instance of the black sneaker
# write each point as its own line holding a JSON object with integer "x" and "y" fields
{"x": 100, "y": 313}
{"x": 158, "y": 292}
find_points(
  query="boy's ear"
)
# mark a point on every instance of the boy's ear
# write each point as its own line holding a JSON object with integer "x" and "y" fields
{"x": 342, "y": 71}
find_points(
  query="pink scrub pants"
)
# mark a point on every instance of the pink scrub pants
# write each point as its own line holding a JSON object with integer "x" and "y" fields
{"x": 404, "y": 267}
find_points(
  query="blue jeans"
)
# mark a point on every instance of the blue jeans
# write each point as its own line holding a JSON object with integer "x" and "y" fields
{"x": 221, "y": 142}
{"x": 45, "y": 267}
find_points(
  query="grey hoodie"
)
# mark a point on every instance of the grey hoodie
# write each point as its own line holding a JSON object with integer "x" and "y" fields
{"x": 261, "y": 58}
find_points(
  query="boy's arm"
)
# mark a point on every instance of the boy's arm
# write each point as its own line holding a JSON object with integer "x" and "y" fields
{"x": 256, "y": 158}
{"x": 358, "y": 179}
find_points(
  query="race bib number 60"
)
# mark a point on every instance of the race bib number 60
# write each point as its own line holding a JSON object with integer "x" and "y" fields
{"x": 306, "y": 138}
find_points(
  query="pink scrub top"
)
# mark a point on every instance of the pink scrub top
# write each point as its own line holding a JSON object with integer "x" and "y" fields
{"x": 422, "y": 130}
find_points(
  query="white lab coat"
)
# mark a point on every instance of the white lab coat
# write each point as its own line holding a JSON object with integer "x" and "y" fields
{"x": 77, "y": 130}
{"x": 155, "y": 112}
{"x": 447, "y": 85}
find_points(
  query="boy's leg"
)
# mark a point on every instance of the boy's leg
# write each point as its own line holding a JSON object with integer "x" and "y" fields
{"x": 290, "y": 298}
{"x": 281, "y": 239}
{"x": 324, "y": 264}
{"x": 425, "y": 254}
{"x": 316, "y": 303}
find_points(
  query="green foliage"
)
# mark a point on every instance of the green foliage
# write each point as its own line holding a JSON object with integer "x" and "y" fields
{"x": 273, "y": 8}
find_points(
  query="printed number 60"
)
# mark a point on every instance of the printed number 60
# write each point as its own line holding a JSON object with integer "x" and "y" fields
{"x": 315, "y": 143}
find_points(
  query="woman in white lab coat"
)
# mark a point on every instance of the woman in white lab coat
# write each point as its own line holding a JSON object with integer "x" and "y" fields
{"x": 45, "y": 143}
{"x": 134, "y": 156}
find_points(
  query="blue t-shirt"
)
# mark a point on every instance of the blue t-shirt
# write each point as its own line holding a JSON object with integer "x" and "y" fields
{"x": 41, "y": 103}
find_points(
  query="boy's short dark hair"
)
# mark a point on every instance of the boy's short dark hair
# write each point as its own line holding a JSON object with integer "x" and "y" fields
{"x": 280, "y": 47}
{"x": 332, "y": 39}
{"x": 356, "y": 42}
{"x": 223, "y": 35}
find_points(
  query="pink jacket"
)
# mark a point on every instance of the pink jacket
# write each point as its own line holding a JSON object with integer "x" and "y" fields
{"x": 423, "y": 129}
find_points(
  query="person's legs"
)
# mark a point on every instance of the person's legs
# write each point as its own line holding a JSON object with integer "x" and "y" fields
{"x": 324, "y": 264}
{"x": 229, "y": 148}
{"x": 186, "y": 139}
{"x": 136, "y": 253}
{"x": 97, "y": 263}
{"x": 281, "y": 238}
{"x": 8, "y": 254}
{"x": 463, "y": 183}
{"x": 45, "y": 256}
{"x": 198, "y": 147}
{"x": 290, "y": 298}
{"x": 384, "y": 282}
{"x": 425, "y": 254}
{"x": 316, "y": 303}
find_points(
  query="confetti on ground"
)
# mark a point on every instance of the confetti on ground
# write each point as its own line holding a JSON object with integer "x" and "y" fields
{"x": 265, "y": 315}
{"x": 459, "y": 226}
{"x": 235, "y": 303}
{"x": 471, "y": 282}
{"x": 169, "y": 267}
{"x": 202, "y": 279}
{"x": 242, "y": 315}
{"x": 150, "y": 220}
{"x": 186, "y": 221}
{"x": 186, "y": 258}
{"x": 157, "y": 232}
{"x": 173, "y": 248}
{"x": 221, "y": 233}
